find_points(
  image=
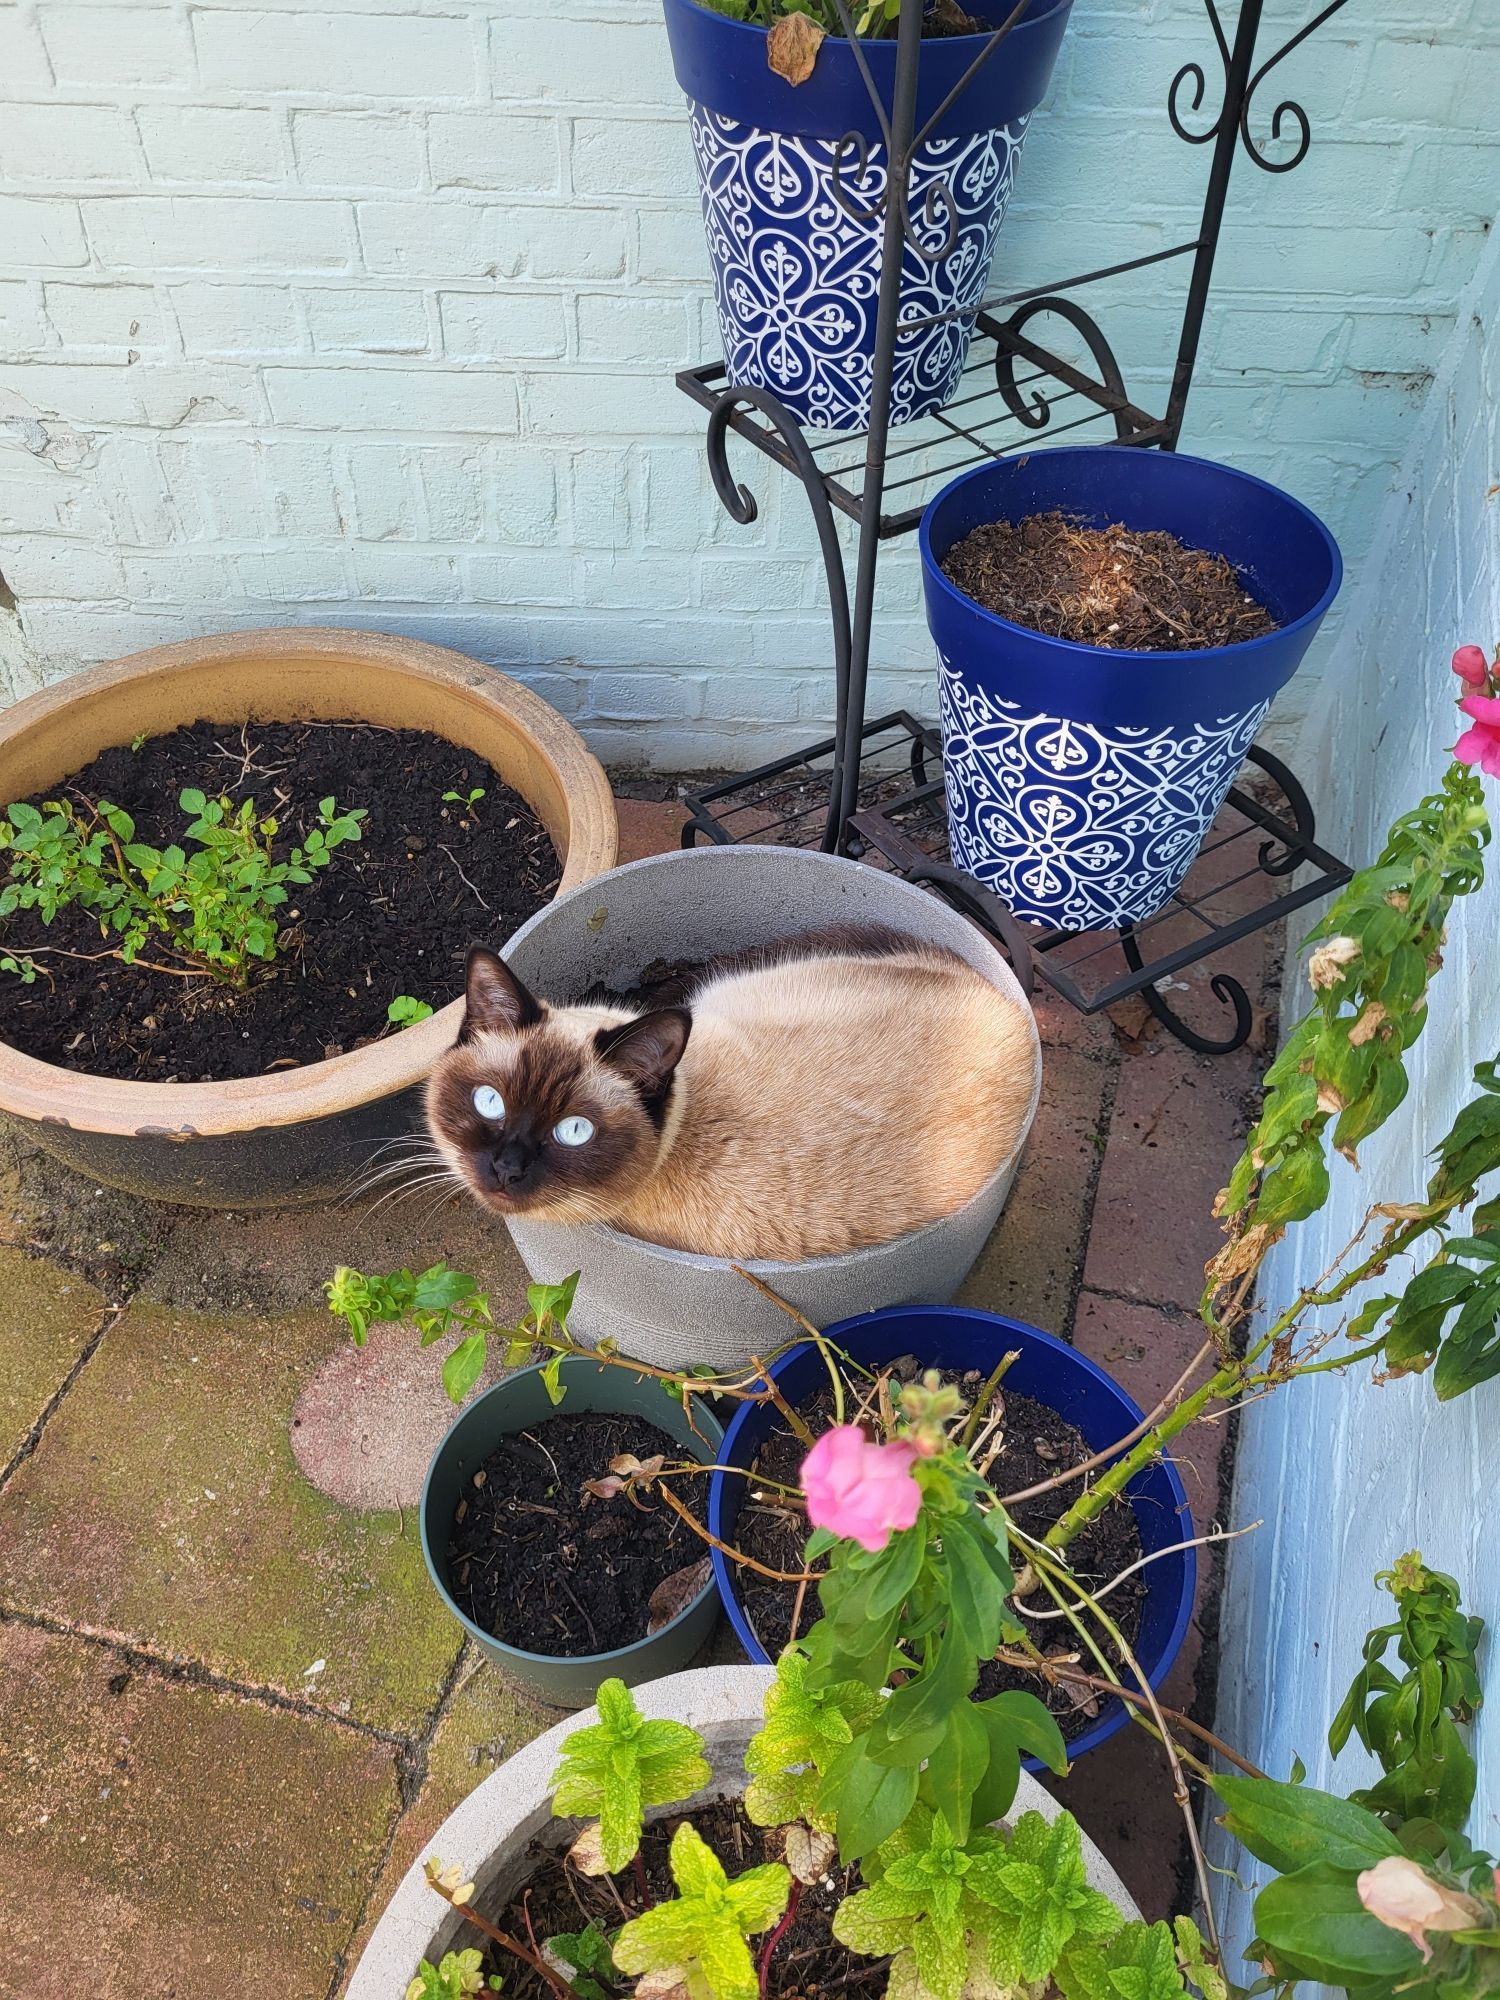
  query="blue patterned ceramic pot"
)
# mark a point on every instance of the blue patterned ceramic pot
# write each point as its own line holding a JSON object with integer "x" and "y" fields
{"x": 1081, "y": 781}
{"x": 796, "y": 276}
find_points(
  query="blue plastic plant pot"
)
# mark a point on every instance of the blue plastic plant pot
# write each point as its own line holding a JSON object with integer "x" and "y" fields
{"x": 796, "y": 275}
{"x": 1050, "y": 1372}
{"x": 1081, "y": 781}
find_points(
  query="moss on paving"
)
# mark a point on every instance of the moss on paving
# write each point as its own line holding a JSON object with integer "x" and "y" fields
{"x": 164, "y": 1839}
{"x": 163, "y": 1506}
{"x": 46, "y": 1321}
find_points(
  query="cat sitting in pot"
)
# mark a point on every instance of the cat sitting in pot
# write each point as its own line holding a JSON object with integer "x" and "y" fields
{"x": 825, "y": 1098}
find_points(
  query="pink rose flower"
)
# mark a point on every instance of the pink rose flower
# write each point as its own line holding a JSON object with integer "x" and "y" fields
{"x": 860, "y": 1490}
{"x": 1405, "y": 1898}
{"x": 1481, "y": 744}
{"x": 1470, "y": 665}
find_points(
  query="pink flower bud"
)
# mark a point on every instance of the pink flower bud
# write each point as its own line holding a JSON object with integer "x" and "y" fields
{"x": 1405, "y": 1898}
{"x": 1470, "y": 665}
{"x": 860, "y": 1490}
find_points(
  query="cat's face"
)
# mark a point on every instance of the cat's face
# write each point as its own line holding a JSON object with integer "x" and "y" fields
{"x": 552, "y": 1112}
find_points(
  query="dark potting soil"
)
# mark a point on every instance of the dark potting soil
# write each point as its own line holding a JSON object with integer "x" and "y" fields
{"x": 550, "y": 1568}
{"x": 1112, "y": 586}
{"x": 393, "y": 913}
{"x": 1038, "y": 1443}
{"x": 808, "y": 1964}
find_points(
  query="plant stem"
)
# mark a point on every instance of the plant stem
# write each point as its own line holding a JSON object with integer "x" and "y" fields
{"x": 788, "y": 1919}
{"x": 1010, "y": 1658}
{"x": 982, "y": 1401}
{"x": 746, "y": 1562}
{"x": 643, "y": 1887}
{"x": 808, "y": 1328}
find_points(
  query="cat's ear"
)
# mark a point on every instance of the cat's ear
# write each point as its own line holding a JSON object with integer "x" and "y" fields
{"x": 494, "y": 999}
{"x": 647, "y": 1050}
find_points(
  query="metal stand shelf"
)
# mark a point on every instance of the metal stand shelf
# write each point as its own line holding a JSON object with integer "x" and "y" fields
{"x": 873, "y": 789}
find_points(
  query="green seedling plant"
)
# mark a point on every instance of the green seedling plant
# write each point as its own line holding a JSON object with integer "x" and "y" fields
{"x": 699, "y": 1940}
{"x": 468, "y": 800}
{"x": 614, "y": 1771}
{"x": 457, "y": 1975}
{"x": 210, "y": 913}
{"x": 405, "y": 1012}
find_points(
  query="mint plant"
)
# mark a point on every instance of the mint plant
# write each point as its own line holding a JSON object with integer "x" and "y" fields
{"x": 459, "y": 1974}
{"x": 210, "y": 913}
{"x": 698, "y": 1941}
{"x": 588, "y": 1956}
{"x": 622, "y": 1765}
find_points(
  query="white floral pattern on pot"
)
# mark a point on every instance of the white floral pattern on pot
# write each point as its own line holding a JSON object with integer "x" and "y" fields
{"x": 796, "y": 278}
{"x": 1076, "y": 825}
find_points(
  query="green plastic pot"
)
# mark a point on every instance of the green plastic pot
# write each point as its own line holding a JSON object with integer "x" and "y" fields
{"x": 520, "y": 1403}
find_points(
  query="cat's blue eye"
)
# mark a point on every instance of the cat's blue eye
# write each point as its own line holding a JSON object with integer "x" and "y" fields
{"x": 573, "y": 1131}
{"x": 489, "y": 1103}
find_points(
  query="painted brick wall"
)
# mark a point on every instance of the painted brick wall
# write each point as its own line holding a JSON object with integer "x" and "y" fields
{"x": 1347, "y": 1475}
{"x": 366, "y": 311}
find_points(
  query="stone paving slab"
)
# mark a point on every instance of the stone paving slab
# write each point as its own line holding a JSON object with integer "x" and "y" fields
{"x": 47, "y": 1319}
{"x": 1031, "y": 1264}
{"x": 164, "y": 1839}
{"x": 163, "y": 1507}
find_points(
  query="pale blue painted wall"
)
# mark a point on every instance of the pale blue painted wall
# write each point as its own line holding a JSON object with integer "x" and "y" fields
{"x": 366, "y": 310}
{"x": 1346, "y": 1474}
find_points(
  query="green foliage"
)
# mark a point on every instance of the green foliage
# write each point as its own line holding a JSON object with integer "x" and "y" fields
{"x": 458, "y": 1975}
{"x": 1343, "y": 1065}
{"x": 588, "y": 1955}
{"x": 440, "y": 1301}
{"x": 1312, "y": 1920}
{"x": 699, "y": 1938}
{"x": 998, "y": 1909}
{"x": 931, "y": 1604}
{"x": 873, "y": 19}
{"x": 806, "y": 1728}
{"x": 212, "y": 911}
{"x": 620, "y": 1766}
{"x": 1139, "y": 1962}
{"x": 468, "y": 800}
{"x": 405, "y": 1012}
{"x": 1412, "y": 1724}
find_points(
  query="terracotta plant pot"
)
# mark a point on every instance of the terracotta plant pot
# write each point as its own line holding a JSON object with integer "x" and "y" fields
{"x": 494, "y": 1835}
{"x": 294, "y": 1137}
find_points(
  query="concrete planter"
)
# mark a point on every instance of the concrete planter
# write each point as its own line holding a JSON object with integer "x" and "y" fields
{"x": 490, "y": 1834}
{"x": 518, "y": 1404}
{"x": 668, "y": 1306}
{"x": 295, "y": 1136}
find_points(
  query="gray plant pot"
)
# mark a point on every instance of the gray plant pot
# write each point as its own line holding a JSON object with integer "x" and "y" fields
{"x": 490, "y": 1836}
{"x": 668, "y": 1306}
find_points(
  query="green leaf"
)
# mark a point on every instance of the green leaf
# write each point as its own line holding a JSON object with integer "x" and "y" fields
{"x": 464, "y": 1366}
{"x": 551, "y": 1374}
{"x": 869, "y": 1800}
{"x": 1314, "y": 1914}
{"x": 956, "y": 1768}
{"x": 1028, "y": 1723}
{"x": 1289, "y": 1826}
{"x": 192, "y": 801}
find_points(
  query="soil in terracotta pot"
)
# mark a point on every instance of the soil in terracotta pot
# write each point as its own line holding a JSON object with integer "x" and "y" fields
{"x": 393, "y": 913}
{"x": 1038, "y": 1443}
{"x": 1115, "y": 587}
{"x": 549, "y": 1567}
{"x": 808, "y": 1962}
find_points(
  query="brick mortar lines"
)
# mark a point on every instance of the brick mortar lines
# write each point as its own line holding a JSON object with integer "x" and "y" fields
{"x": 108, "y": 1319}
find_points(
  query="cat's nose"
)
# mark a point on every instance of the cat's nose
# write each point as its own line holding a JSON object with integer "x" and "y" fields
{"x": 510, "y": 1163}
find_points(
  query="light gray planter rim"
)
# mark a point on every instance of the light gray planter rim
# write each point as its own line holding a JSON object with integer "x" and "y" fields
{"x": 723, "y": 1703}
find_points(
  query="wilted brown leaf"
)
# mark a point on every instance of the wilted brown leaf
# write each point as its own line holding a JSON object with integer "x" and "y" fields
{"x": 1367, "y": 1026}
{"x": 676, "y": 1592}
{"x": 808, "y": 1852}
{"x": 587, "y": 1851}
{"x": 792, "y": 47}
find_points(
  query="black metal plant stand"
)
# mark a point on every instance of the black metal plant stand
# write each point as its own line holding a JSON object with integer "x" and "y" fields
{"x": 874, "y": 789}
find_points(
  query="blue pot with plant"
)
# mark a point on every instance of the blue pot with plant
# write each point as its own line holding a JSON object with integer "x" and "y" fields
{"x": 961, "y": 1342}
{"x": 792, "y": 166}
{"x": 1081, "y": 779}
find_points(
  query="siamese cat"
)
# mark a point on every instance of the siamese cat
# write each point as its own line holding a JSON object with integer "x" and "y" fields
{"x": 821, "y": 1098}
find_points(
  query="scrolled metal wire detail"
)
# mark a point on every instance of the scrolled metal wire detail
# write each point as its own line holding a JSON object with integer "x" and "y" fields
{"x": 1036, "y": 413}
{"x": 1288, "y": 111}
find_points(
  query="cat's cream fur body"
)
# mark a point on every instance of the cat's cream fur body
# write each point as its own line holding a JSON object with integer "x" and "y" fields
{"x": 820, "y": 1104}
